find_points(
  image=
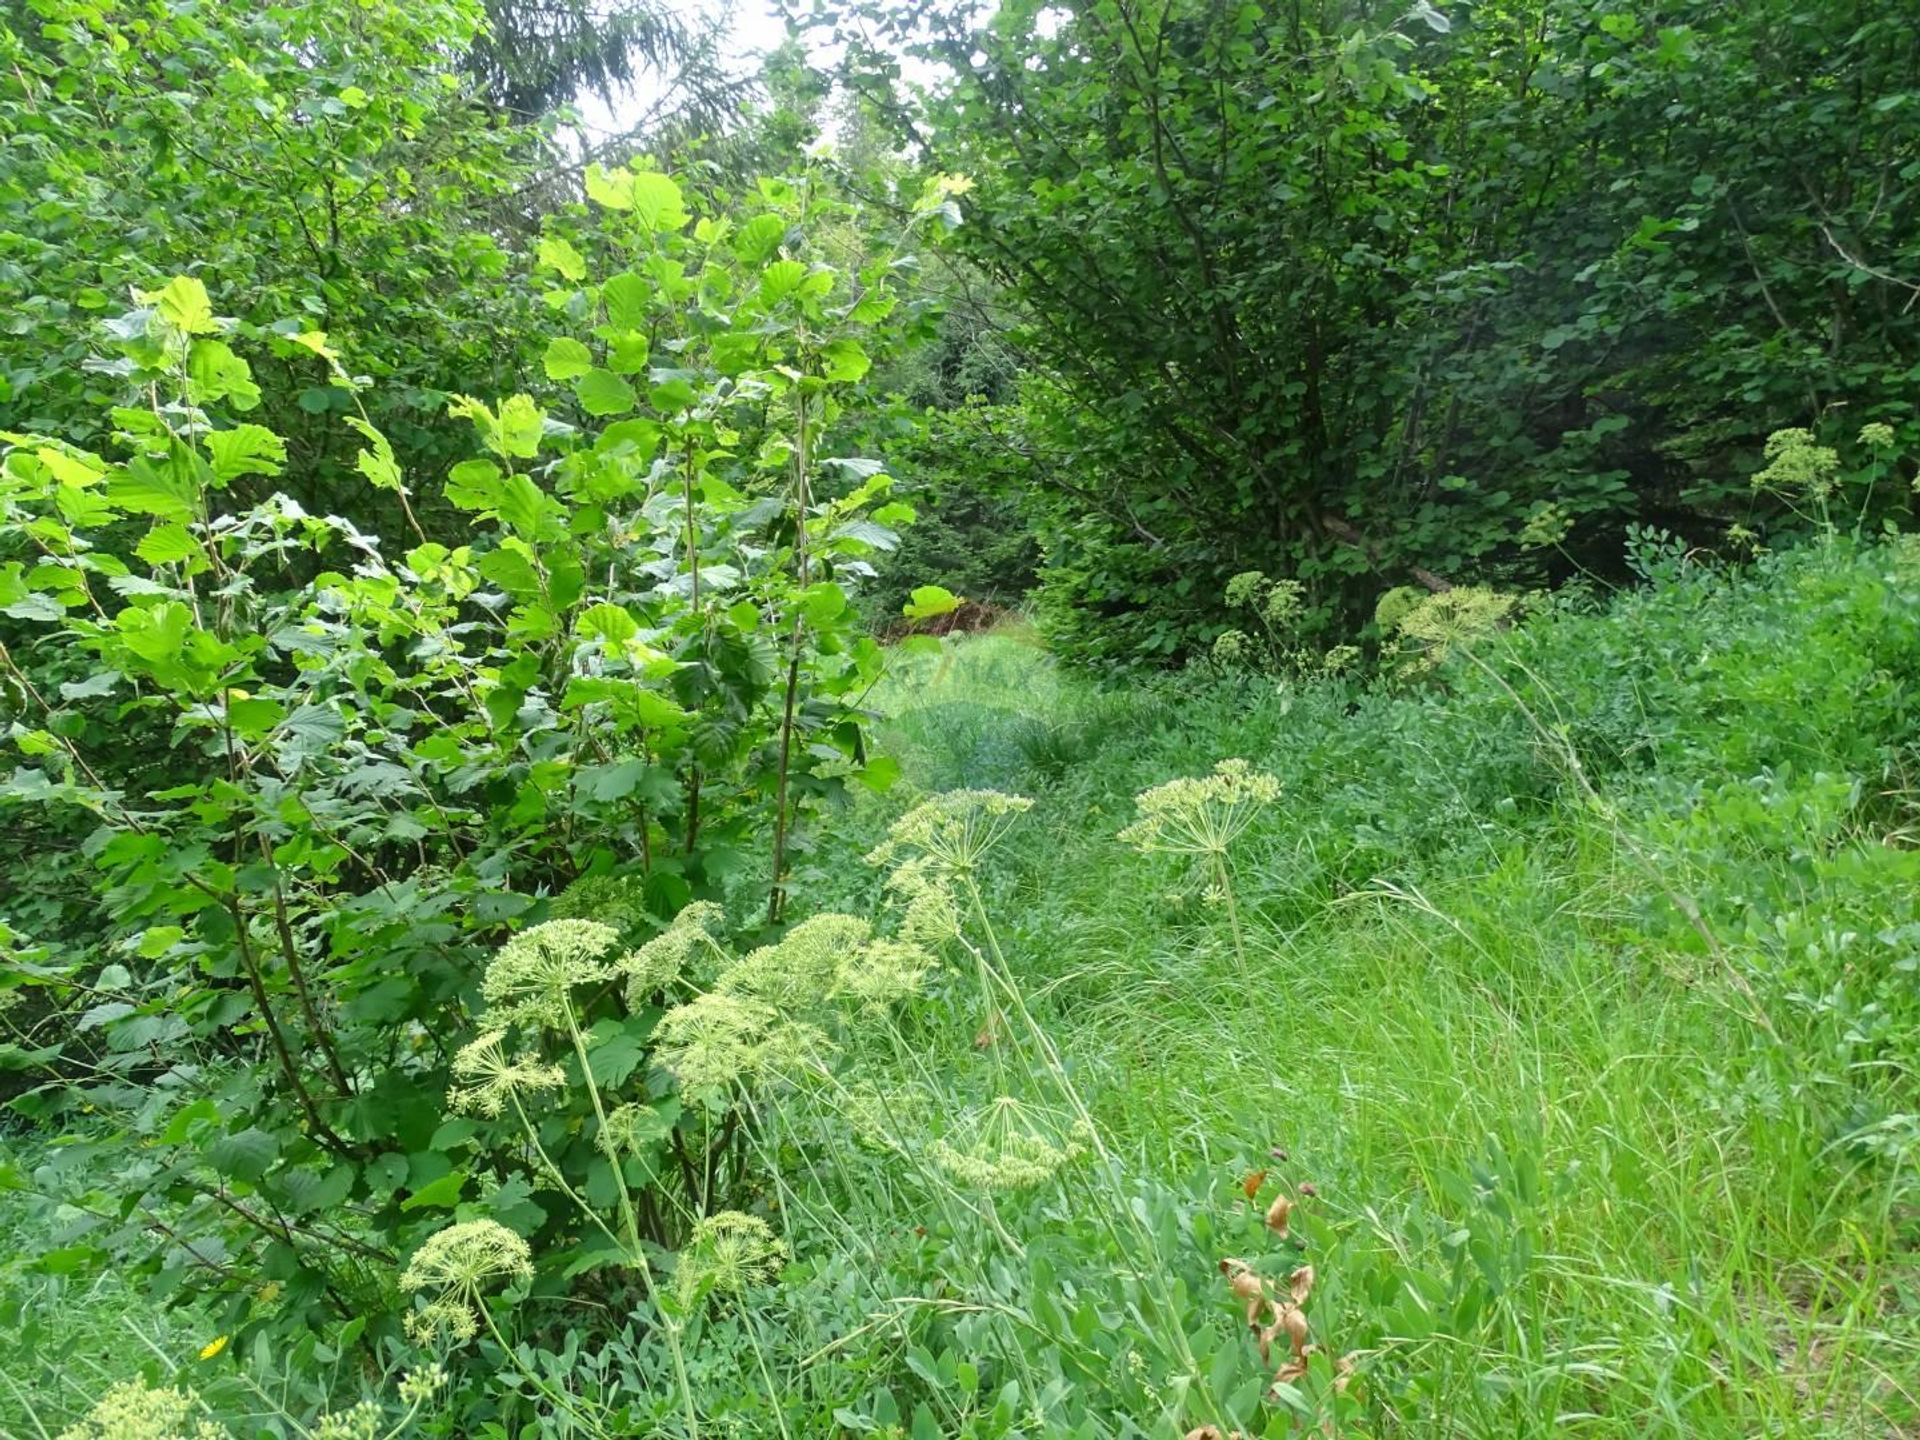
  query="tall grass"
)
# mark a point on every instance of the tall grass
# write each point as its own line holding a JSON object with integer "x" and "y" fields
{"x": 1611, "y": 1131}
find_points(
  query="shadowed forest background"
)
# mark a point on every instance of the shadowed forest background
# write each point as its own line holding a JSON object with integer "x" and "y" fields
{"x": 1092, "y": 719}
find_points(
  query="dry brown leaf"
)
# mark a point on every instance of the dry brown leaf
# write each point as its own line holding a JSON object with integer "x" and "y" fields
{"x": 1300, "y": 1284}
{"x": 1250, "y": 1186}
{"x": 1279, "y": 1213}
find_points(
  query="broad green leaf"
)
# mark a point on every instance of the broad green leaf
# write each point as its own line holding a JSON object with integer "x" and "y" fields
{"x": 145, "y": 486}
{"x": 626, "y": 297}
{"x": 70, "y": 470}
{"x": 657, "y": 203}
{"x": 608, "y": 783}
{"x": 474, "y": 485}
{"x": 441, "y": 1194}
{"x": 612, "y": 189}
{"x": 603, "y": 393}
{"x": 567, "y": 358}
{"x": 844, "y": 360}
{"x": 245, "y": 450}
{"x": 183, "y": 302}
{"x": 522, "y": 423}
{"x": 627, "y": 352}
{"x": 167, "y": 544}
{"x": 929, "y": 601}
{"x": 379, "y": 464}
{"x": 608, "y": 622}
{"x": 759, "y": 238}
{"x": 245, "y": 1156}
{"x": 672, "y": 396}
{"x": 780, "y": 280}
{"x": 214, "y": 372}
{"x": 559, "y": 255}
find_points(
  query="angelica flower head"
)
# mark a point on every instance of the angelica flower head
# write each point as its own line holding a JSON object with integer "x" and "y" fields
{"x": 493, "y": 1081}
{"x": 1244, "y": 589}
{"x": 616, "y": 900}
{"x": 882, "y": 972}
{"x": 728, "y": 1253}
{"x": 1008, "y": 1145}
{"x": 1200, "y": 815}
{"x": 134, "y": 1410}
{"x": 1230, "y": 647}
{"x": 718, "y": 1040}
{"x": 799, "y": 971}
{"x": 1283, "y": 604}
{"x": 442, "y": 1321}
{"x": 1877, "y": 436}
{"x": 531, "y": 976}
{"x": 665, "y": 958}
{"x": 1452, "y": 620}
{"x": 358, "y": 1422}
{"x": 932, "y": 913}
{"x": 464, "y": 1259}
{"x": 953, "y": 830}
{"x": 417, "y": 1387}
{"x": 1795, "y": 464}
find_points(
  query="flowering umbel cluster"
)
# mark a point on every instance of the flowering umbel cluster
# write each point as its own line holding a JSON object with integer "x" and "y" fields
{"x": 953, "y": 830}
{"x": 1201, "y": 815}
{"x": 134, "y": 1410}
{"x": 1453, "y": 620}
{"x": 1010, "y": 1145}
{"x": 1796, "y": 465}
{"x": 728, "y": 1253}
{"x": 454, "y": 1267}
{"x": 533, "y": 974}
{"x": 663, "y": 960}
{"x": 489, "y": 1081}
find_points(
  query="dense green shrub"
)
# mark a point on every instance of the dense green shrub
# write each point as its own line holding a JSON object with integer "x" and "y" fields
{"x": 1358, "y": 294}
{"x": 634, "y": 667}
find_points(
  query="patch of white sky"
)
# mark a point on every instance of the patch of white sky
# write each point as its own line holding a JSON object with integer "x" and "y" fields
{"x": 750, "y": 30}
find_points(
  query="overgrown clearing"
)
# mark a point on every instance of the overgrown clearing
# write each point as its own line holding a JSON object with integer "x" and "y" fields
{"x": 1030, "y": 720}
{"x": 1581, "y": 1028}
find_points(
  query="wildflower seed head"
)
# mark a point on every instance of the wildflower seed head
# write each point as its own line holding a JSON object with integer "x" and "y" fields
{"x": 361, "y": 1422}
{"x": 133, "y": 1410}
{"x": 712, "y": 1041}
{"x": 1244, "y": 589}
{"x": 882, "y": 972}
{"x": 664, "y": 959}
{"x": 616, "y": 900}
{"x": 886, "y": 1120}
{"x": 1340, "y": 659}
{"x": 1453, "y": 620}
{"x": 1796, "y": 465}
{"x": 417, "y": 1387}
{"x": 1200, "y": 815}
{"x": 931, "y": 916}
{"x": 530, "y": 978}
{"x": 1284, "y": 604}
{"x": 464, "y": 1259}
{"x": 728, "y": 1253}
{"x": 489, "y": 1081}
{"x": 1232, "y": 647}
{"x": 1548, "y": 525}
{"x": 954, "y": 830}
{"x": 442, "y": 1322}
{"x": 1009, "y": 1146}
{"x": 798, "y": 972}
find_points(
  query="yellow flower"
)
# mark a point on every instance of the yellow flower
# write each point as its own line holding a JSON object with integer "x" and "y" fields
{"x": 213, "y": 1347}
